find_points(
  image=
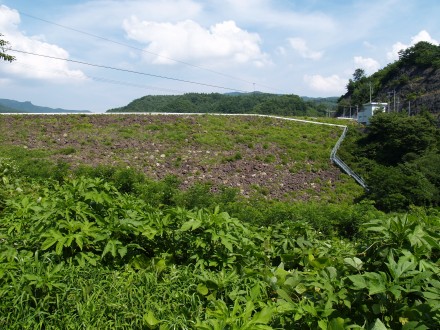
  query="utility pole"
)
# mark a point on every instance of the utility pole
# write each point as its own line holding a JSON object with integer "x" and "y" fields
{"x": 394, "y": 108}
{"x": 371, "y": 91}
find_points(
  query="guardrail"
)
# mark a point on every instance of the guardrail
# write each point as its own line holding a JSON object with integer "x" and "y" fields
{"x": 338, "y": 161}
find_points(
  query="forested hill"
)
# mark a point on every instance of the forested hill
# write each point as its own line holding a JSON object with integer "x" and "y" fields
{"x": 260, "y": 103}
{"x": 410, "y": 84}
{"x": 4, "y": 109}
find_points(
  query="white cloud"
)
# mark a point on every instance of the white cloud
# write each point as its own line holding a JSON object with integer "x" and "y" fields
{"x": 31, "y": 66}
{"x": 330, "y": 85}
{"x": 369, "y": 64}
{"x": 301, "y": 47}
{"x": 189, "y": 41}
{"x": 398, "y": 46}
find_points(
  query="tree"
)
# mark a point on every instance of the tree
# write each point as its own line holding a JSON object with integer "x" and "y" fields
{"x": 3, "y": 55}
{"x": 392, "y": 137}
{"x": 358, "y": 75}
{"x": 423, "y": 53}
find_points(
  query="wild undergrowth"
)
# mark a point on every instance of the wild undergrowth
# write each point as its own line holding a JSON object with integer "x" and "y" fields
{"x": 88, "y": 252}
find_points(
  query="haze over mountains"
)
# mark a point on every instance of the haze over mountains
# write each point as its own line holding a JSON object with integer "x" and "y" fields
{"x": 12, "y": 106}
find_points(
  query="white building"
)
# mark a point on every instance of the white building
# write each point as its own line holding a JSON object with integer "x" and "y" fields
{"x": 368, "y": 111}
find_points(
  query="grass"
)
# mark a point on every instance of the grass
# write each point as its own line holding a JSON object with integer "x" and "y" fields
{"x": 191, "y": 144}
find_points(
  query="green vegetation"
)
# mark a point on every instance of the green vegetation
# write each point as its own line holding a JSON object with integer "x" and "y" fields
{"x": 240, "y": 152}
{"x": 80, "y": 253}
{"x": 413, "y": 79}
{"x": 259, "y": 103}
{"x": 99, "y": 245}
{"x": 3, "y": 55}
{"x": 398, "y": 156}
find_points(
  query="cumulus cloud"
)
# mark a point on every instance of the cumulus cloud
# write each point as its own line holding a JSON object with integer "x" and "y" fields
{"x": 398, "y": 46}
{"x": 330, "y": 85}
{"x": 369, "y": 64}
{"x": 31, "y": 66}
{"x": 301, "y": 47}
{"x": 189, "y": 41}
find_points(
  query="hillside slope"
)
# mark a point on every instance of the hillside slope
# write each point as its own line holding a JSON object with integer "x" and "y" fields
{"x": 4, "y": 109}
{"x": 260, "y": 103}
{"x": 411, "y": 84}
{"x": 272, "y": 158}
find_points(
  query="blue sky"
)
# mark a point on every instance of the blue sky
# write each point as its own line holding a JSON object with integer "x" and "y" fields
{"x": 308, "y": 48}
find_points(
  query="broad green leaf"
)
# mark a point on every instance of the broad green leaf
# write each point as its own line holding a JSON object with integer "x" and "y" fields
{"x": 151, "y": 320}
{"x": 319, "y": 263}
{"x": 227, "y": 244}
{"x": 285, "y": 306}
{"x": 378, "y": 325}
{"x": 191, "y": 224}
{"x": 284, "y": 295}
{"x": 149, "y": 232}
{"x": 202, "y": 289}
{"x": 32, "y": 277}
{"x": 264, "y": 316}
{"x": 323, "y": 324}
{"x": 60, "y": 245}
{"x": 358, "y": 281}
{"x": 79, "y": 241}
{"x": 336, "y": 324}
{"x": 310, "y": 309}
{"x": 122, "y": 251}
{"x": 376, "y": 282}
{"x": 111, "y": 247}
{"x": 48, "y": 243}
{"x": 300, "y": 288}
{"x": 354, "y": 262}
{"x": 292, "y": 281}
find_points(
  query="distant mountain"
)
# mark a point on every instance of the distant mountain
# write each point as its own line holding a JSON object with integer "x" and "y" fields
{"x": 12, "y": 106}
{"x": 411, "y": 84}
{"x": 4, "y": 109}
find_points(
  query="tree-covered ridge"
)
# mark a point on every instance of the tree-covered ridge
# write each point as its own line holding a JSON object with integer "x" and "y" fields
{"x": 398, "y": 155}
{"x": 410, "y": 84}
{"x": 259, "y": 103}
{"x": 13, "y": 106}
{"x": 4, "y": 109}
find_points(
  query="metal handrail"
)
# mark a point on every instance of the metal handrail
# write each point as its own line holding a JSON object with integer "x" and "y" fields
{"x": 338, "y": 161}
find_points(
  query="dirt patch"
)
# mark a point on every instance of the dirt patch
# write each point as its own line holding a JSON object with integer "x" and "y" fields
{"x": 174, "y": 145}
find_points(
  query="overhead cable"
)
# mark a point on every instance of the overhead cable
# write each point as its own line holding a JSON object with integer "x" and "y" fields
{"x": 145, "y": 51}
{"x": 129, "y": 71}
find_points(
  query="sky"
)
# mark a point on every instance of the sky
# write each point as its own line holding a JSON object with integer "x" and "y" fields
{"x": 100, "y": 54}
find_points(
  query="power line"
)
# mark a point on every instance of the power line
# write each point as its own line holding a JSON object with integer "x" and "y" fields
{"x": 143, "y": 50}
{"x": 128, "y": 71}
{"x": 106, "y": 80}
{"x": 124, "y": 83}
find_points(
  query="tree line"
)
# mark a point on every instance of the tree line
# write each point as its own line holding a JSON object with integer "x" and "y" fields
{"x": 259, "y": 103}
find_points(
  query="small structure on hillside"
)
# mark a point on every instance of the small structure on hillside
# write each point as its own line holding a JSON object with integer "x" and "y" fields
{"x": 368, "y": 111}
